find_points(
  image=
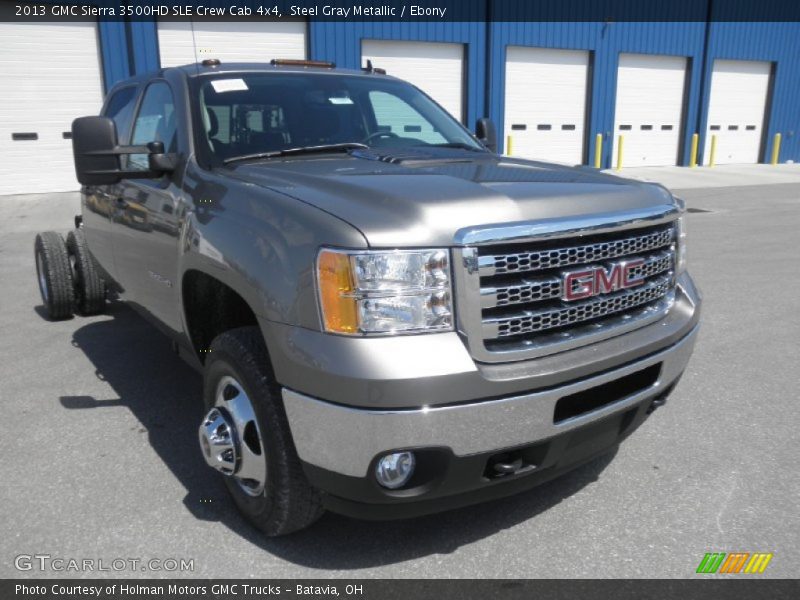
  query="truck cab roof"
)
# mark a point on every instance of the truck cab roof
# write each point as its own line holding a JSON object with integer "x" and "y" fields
{"x": 211, "y": 67}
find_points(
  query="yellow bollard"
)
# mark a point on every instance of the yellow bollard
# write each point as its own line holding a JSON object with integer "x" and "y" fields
{"x": 620, "y": 144}
{"x": 693, "y": 156}
{"x": 509, "y": 145}
{"x": 598, "y": 150}
{"x": 776, "y": 149}
{"x": 713, "y": 152}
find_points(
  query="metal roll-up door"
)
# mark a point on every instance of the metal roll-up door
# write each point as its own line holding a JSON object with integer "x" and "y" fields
{"x": 545, "y": 103}
{"x": 186, "y": 42}
{"x": 52, "y": 74}
{"x": 738, "y": 100}
{"x": 649, "y": 108}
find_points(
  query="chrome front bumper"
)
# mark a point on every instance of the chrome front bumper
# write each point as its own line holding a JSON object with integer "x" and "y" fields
{"x": 345, "y": 440}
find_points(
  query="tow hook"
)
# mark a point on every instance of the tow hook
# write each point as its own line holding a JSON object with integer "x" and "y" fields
{"x": 506, "y": 464}
{"x": 656, "y": 403}
{"x": 218, "y": 441}
{"x": 661, "y": 399}
{"x": 507, "y": 468}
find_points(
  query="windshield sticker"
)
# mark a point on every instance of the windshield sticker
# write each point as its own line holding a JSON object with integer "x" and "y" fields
{"x": 340, "y": 100}
{"x": 229, "y": 85}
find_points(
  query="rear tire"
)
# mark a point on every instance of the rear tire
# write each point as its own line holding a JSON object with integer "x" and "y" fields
{"x": 54, "y": 275}
{"x": 90, "y": 289}
{"x": 287, "y": 502}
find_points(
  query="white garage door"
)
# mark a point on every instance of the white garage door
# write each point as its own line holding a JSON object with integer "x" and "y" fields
{"x": 435, "y": 68}
{"x": 736, "y": 110}
{"x": 51, "y": 75}
{"x": 237, "y": 41}
{"x": 649, "y": 108}
{"x": 545, "y": 106}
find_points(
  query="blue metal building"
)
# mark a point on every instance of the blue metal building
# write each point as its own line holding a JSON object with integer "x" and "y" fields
{"x": 499, "y": 24}
{"x": 563, "y": 80}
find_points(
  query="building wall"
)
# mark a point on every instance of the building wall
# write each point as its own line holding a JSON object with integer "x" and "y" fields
{"x": 144, "y": 42}
{"x": 132, "y": 47}
{"x": 605, "y": 41}
{"x": 774, "y": 42}
{"x": 340, "y": 42}
{"x": 114, "y": 51}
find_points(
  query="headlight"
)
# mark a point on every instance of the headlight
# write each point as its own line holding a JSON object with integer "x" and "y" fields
{"x": 680, "y": 245}
{"x": 384, "y": 292}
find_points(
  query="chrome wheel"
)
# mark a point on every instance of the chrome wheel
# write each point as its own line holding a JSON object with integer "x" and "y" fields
{"x": 231, "y": 440}
{"x": 218, "y": 442}
{"x": 42, "y": 280}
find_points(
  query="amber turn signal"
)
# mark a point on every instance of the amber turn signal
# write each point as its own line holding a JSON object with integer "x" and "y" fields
{"x": 336, "y": 288}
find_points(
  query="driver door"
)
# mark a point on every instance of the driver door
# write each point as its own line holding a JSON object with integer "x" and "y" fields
{"x": 148, "y": 223}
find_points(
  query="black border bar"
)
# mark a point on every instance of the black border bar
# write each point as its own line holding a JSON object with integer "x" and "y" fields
{"x": 733, "y": 588}
{"x": 608, "y": 11}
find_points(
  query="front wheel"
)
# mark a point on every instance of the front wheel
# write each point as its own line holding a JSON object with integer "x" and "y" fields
{"x": 245, "y": 435}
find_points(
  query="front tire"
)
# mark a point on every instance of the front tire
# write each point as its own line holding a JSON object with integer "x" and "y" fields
{"x": 54, "y": 274}
{"x": 268, "y": 484}
{"x": 90, "y": 289}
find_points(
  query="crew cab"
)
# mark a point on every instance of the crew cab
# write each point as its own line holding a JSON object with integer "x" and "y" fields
{"x": 390, "y": 318}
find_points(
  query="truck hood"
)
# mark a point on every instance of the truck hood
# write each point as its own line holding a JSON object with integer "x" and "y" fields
{"x": 429, "y": 200}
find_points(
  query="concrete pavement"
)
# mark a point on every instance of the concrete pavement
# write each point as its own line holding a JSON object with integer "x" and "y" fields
{"x": 713, "y": 177}
{"x": 101, "y": 461}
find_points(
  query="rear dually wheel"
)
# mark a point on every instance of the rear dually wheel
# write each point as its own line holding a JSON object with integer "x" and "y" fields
{"x": 90, "y": 289}
{"x": 54, "y": 275}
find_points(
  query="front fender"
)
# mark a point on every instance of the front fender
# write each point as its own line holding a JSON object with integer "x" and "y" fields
{"x": 260, "y": 243}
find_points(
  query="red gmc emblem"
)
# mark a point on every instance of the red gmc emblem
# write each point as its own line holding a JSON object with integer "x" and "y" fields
{"x": 578, "y": 285}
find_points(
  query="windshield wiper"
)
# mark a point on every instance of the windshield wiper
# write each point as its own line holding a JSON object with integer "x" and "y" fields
{"x": 299, "y": 150}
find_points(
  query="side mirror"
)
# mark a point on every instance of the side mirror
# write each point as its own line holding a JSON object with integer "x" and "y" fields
{"x": 486, "y": 133}
{"x": 93, "y": 142}
{"x": 96, "y": 152}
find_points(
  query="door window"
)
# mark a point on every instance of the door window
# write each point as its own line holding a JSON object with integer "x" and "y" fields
{"x": 120, "y": 110}
{"x": 154, "y": 123}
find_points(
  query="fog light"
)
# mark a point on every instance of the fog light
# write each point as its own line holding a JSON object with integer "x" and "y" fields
{"x": 394, "y": 470}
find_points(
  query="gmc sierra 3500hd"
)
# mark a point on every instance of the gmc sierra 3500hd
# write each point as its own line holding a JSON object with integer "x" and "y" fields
{"x": 391, "y": 318}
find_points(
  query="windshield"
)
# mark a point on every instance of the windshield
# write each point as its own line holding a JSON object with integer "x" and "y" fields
{"x": 256, "y": 113}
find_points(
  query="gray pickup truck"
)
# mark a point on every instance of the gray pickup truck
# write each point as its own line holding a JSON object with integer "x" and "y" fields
{"x": 391, "y": 319}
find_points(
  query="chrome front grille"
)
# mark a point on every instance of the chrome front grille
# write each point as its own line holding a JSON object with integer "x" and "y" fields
{"x": 535, "y": 260}
{"x": 536, "y": 289}
{"x": 522, "y": 307}
{"x": 540, "y": 320}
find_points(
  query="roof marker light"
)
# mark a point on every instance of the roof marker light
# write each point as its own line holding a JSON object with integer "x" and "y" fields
{"x": 292, "y": 62}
